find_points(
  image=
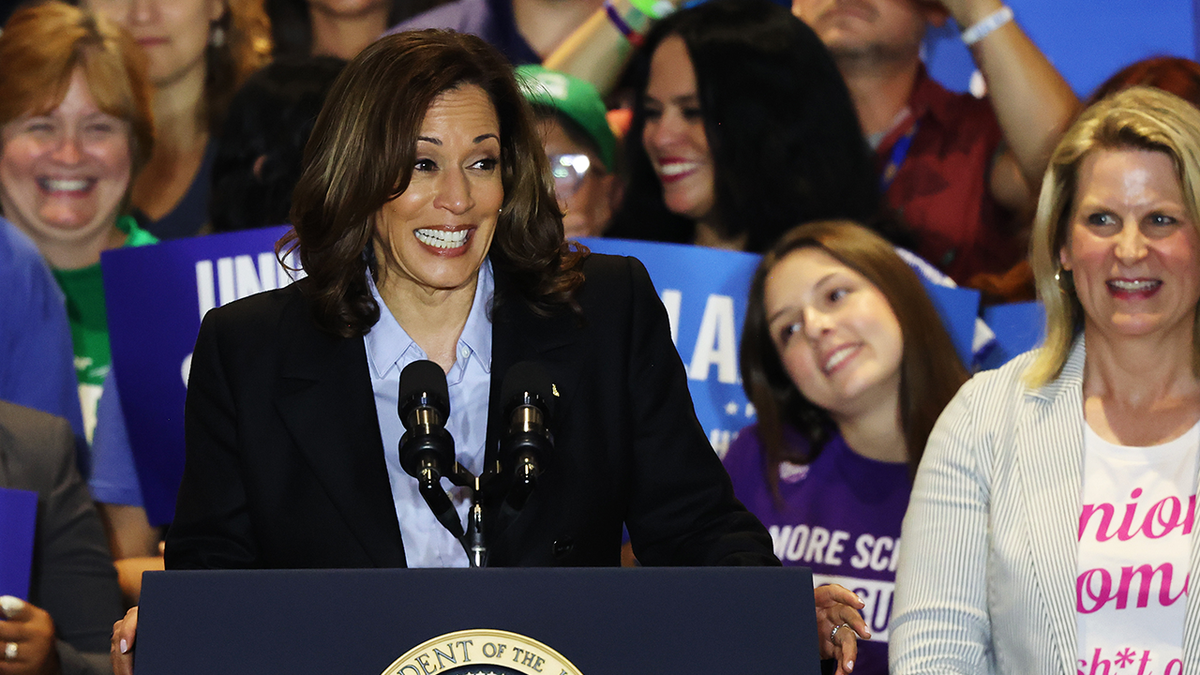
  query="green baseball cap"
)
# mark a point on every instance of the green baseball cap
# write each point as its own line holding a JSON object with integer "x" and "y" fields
{"x": 576, "y": 99}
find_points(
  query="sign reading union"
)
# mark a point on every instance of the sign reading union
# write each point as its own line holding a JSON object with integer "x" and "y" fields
{"x": 482, "y": 652}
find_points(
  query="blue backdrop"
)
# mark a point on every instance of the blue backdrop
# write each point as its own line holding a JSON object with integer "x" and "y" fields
{"x": 1087, "y": 40}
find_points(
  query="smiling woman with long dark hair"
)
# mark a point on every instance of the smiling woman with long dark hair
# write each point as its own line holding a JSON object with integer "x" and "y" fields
{"x": 427, "y": 222}
{"x": 198, "y": 53}
{"x": 847, "y": 364}
{"x": 742, "y": 129}
{"x": 428, "y": 228}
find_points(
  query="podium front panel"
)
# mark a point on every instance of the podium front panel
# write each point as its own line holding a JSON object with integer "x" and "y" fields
{"x": 604, "y": 621}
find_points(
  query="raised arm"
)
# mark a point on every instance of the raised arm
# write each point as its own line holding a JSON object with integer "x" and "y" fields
{"x": 597, "y": 51}
{"x": 1033, "y": 103}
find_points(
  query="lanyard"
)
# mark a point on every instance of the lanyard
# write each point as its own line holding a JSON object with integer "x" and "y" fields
{"x": 896, "y": 158}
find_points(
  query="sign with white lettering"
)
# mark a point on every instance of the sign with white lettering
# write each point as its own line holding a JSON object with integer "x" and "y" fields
{"x": 156, "y": 297}
{"x": 704, "y": 291}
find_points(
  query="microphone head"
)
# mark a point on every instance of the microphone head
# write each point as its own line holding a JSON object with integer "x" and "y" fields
{"x": 527, "y": 383}
{"x": 423, "y": 383}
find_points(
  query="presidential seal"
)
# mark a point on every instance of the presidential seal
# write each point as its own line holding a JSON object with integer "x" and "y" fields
{"x": 482, "y": 652}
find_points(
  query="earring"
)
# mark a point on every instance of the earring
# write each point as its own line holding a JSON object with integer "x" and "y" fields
{"x": 216, "y": 37}
{"x": 1062, "y": 278}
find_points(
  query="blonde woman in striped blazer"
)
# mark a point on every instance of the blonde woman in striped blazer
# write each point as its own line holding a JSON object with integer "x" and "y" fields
{"x": 1025, "y": 548}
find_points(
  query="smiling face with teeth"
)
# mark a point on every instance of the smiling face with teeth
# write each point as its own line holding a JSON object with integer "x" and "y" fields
{"x": 835, "y": 334}
{"x": 433, "y": 237}
{"x": 64, "y": 174}
{"x": 674, "y": 134}
{"x": 1132, "y": 246}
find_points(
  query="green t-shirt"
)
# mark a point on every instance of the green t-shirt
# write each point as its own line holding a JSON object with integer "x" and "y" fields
{"x": 88, "y": 316}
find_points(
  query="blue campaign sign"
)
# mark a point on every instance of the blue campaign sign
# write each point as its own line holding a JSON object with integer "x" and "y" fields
{"x": 18, "y": 522}
{"x": 704, "y": 291}
{"x": 156, "y": 296}
{"x": 1019, "y": 327}
{"x": 959, "y": 308}
{"x": 1087, "y": 40}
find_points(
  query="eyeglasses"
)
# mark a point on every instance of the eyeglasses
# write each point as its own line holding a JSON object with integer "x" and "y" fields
{"x": 569, "y": 172}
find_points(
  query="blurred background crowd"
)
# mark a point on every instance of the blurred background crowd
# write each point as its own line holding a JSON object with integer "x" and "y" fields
{"x": 722, "y": 124}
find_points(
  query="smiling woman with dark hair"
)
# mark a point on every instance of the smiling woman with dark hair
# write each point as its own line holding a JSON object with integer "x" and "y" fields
{"x": 742, "y": 129}
{"x": 198, "y": 52}
{"x": 427, "y": 223}
{"x": 847, "y": 364}
{"x": 428, "y": 228}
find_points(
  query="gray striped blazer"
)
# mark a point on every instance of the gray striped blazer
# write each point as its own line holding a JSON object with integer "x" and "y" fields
{"x": 987, "y": 570}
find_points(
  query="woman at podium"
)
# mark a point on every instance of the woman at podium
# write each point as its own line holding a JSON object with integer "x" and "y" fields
{"x": 426, "y": 222}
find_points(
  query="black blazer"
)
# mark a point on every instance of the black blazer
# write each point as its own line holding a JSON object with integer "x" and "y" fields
{"x": 285, "y": 465}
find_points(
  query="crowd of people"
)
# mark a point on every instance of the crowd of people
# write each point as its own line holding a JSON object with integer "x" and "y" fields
{"x": 439, "y": 161}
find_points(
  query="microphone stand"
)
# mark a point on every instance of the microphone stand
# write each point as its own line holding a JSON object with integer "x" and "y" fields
{"x": 473, "y": 541}
{"x": 477, "y": 551}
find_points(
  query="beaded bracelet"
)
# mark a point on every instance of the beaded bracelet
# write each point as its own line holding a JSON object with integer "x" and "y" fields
{"x": 614, "y": 15}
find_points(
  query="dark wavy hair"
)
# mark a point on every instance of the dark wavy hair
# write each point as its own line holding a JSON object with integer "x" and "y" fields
{"x": 261, "y": 145}
{"x": 361, "y": 155}
{"x": 784, "y": 136}
{"x": 930, "y": 372}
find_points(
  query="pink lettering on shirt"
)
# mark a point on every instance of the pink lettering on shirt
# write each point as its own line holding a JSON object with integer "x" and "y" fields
{"x": 1160, "y": 519}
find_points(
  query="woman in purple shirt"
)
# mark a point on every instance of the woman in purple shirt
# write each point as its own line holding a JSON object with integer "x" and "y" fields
{"x": 847, "y": 363}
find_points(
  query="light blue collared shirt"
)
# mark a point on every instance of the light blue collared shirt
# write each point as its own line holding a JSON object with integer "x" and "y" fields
{"x": 389, "y": 350}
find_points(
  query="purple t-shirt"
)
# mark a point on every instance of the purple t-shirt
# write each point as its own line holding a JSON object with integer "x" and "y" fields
{"x": 840, "y": 516}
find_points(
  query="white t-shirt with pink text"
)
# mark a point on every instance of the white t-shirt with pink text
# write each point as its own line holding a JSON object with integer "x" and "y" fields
{"x": 1134, "y": 543}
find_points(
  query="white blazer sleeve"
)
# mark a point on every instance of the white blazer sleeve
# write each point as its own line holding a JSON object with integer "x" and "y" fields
{"x": 941, "y": 622}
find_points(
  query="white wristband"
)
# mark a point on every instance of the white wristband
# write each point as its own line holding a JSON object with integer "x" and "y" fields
{"x": 987, "y": 25}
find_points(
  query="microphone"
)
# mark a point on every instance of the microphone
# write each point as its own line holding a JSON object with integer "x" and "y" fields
{"x": 426, "y": 448}
{"x": 528, "y": 444}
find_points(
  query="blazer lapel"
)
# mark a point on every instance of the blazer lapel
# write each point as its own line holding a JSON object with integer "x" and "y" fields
{"x": 1049, "y": 445}
{"x": 518, "y": 334}
{"x": 329, "y": 408}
